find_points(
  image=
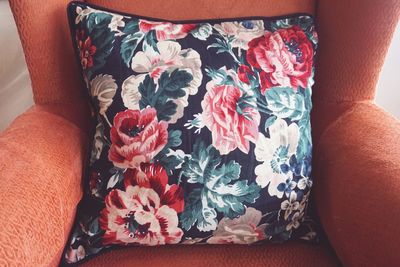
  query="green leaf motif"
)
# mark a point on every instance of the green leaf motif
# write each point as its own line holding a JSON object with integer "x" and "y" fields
{"x": 193, "y": 208}
{"x": 269, "y": 122}
{"x": 174, "y": 138}
{"x": 131, "y": 27}
{"x": 222, "y": 45}
{"x": 305, "y": 142}
{"x": 202, "y": 163}
{"x": 170, "y": 86}
{"x": 170, "y": 162}
{"x": 284, "y": 102}
{"x": 102, "y": 38}
{"x": 129, "y": 45}
{"x": 220, "y": 189}
{"x": 150, "y": 40}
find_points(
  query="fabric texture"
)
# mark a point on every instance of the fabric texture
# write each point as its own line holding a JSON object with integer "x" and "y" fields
{"x": 362, "y": 143}
{"x": 286, "y": 255}
{"x": 203, "y": 130}
{"x": 346, "y": 38}
{"x": 39, "y": 170}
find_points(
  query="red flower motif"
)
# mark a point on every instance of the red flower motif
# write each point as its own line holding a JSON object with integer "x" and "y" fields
{"x": 137, "y": 136}
{"x": 166, "y": 30}
{"x": 284, "y": 57}
{"x": 244, "y": 72}
{"x": 95, "y": 183}
{"x": 86, "y": 49}
{"x": 146, "y": 212}
{"x": 155, "y": 177}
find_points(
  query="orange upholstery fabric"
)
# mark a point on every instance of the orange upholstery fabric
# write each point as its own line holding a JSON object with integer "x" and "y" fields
{"x": 41, "y": 161}
{"x": 354, "y": 36}
{"x": 356, "y": 161}
{"x": 288, "y": 255}
{"x": 45, "y": 38}
{"x": 208, "y": 9}
{"x": 357, "y": 186}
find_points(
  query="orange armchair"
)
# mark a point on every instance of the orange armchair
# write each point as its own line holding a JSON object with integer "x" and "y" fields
{"x": 356, "y": 161}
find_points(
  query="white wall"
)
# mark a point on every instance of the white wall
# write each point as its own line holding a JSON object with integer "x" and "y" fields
{"x": 388, "y": 92}
{"x": 15, "y": 85}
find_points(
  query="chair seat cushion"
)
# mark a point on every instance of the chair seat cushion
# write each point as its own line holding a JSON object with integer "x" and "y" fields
{"x": 290, "y": 254}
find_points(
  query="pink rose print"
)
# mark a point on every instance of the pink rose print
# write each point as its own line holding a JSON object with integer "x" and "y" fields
{"x": 166, "y": 30}
{"x": 230, "y": 130}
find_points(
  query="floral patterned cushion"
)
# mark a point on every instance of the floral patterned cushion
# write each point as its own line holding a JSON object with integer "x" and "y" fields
{"x": 203, "y": 129}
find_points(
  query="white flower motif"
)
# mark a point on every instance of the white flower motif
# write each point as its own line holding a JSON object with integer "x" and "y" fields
{"x": 304, "y": 182}
{"x": 169, "y": 58}
{"x": 295, "y": 221}
{"x": 243, "y": 32}
{"x": 104, "y": 88}
{"x": 75, "y": 255}
{"x": 202, "y": 32}
{"x": 274, "y": 152}
{"x": 242, "y": 230}
{"x": 98, "y": 143}
{"x": 116, "y": 21}
{"x": 82, "y": 13}
{"x": 290, "y": 205}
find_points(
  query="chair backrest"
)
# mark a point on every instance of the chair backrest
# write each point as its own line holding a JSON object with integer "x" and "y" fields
{"x": 354, "y": 38}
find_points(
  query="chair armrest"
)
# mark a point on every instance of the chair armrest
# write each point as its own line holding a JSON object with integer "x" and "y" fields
{"x": 357, "y": 185}
{"x": 41, "y": 162}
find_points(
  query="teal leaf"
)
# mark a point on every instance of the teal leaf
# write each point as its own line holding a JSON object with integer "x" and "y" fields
{"x": 284, "y": 102}
{"x": 246, "y": 101}
{"x": 170, "y": 162}
{"x": 170, "y": 86}
{"x": 220, "y": 189}
{"x": 150, "y": 40}
{"x": 192, "y": 211}
{"x": 195, "y": 211}
{"x": 220, "y": 76}
{"x": 174, "y": 138}
{"x": 304, "y": 146}
{"x": 230, "y": 198}
{"x": 94, "y": 227}
{"x": 222, "y": 45}
{"x": 201, "y": 164}
{"x": 269, "y": 122}
{"x": 131, "y": 27}
{"x": 147, "y": 89}
{"x": 174, "y": 82}
{"x": 129, "y": 45}
{"x": 102, "y": 38}
{"x": 98, "y": 20}
{"x": 165, "y": 110}
{"x": 208, "y": 219}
